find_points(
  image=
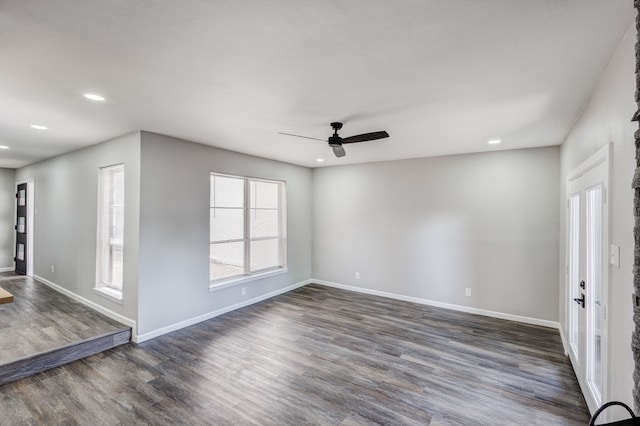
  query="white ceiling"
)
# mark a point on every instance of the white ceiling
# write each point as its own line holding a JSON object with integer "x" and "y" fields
{"x": 441, "y": 76}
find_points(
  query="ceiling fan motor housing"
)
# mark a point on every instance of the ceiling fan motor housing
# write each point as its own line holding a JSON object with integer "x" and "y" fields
{"x": 335, "y": 140}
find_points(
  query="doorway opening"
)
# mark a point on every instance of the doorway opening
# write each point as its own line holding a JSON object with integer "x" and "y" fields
{"x": 587, "y": 275}
{"x": 24, "y": 227}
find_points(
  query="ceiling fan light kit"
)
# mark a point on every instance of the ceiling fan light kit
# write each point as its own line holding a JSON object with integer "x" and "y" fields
{"x": 336, "y": 142}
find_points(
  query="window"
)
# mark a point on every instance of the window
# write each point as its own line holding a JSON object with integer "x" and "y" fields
{"x": 247, "y": 228}
{"x": 110, "y": 252}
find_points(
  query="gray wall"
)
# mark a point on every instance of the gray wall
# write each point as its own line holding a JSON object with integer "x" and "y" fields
{"x": 607, "y": 119}
{"x": 429, "y": 228}
{"x": 7, "y": 216}
{"x": 66, "y": 204}
{"x": 174, "y": 229}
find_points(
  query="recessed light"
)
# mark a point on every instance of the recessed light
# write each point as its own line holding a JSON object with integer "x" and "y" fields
{"x": 494, "y": 141}
{"x": 319, "y": 160}
{"x": 38, "y": 127}
{"x": 4, "y": 147}
{"x": 94, "y": 97}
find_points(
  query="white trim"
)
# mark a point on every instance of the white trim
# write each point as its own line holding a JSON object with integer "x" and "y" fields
{"x": 8, "y": 268}
{"x": 108, "y": 312}
{"x": 103, "y": 237}
{"x": 602, "y": 157}
{"x": 468, "y": 309}
{"x": 109, "y": 293}
{"x": 139, "y": 338}
{"x": 564, "y": 341}
{"x": 245, "y": 279}
{"x": 191, "y": 321}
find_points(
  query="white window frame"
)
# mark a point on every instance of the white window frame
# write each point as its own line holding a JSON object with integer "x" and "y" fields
{"x": 103, "y": 240}
{"x": 249, "y": 275}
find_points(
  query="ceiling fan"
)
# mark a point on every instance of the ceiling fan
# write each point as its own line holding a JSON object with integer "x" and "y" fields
{"x": 336, "y": 142}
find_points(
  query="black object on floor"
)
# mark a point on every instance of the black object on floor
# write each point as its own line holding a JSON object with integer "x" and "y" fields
{"x": 627, "y": 422}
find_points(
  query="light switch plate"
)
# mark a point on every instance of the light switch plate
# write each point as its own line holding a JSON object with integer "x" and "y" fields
{"x": 614, "y": 255}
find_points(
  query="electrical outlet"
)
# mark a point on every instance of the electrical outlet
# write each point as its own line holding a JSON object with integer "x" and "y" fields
{"x": 53, "y": 268}
{"x": 614, "y": 255}
{"x": 244, "y": 291}
{"x": 467, "y": 292}
{"x": 357, "y": 275}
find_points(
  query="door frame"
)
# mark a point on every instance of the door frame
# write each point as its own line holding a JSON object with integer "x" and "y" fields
{"x": 602, "y": 156}
{"x": 30, "y": 222}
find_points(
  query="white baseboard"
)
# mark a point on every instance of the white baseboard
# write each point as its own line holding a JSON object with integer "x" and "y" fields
{"x": 468, "y": 309}
{"x": 8, "y": 269}
{"x": 564, "y": 341}
{"x": 191, "y": 321}
{"x": 108, "y": 312}
{"x": 139, "y": 338}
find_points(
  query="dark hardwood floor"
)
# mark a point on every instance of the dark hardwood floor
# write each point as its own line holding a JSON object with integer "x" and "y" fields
{"x": 42, "y": 329}
{"x": 316, "y": 355}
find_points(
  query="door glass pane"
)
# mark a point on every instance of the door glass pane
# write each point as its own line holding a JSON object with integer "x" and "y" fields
{"x": 21, "y": 225}
{"x": 20, "y": 254}
{"x": 595, "y": 312}
{"x": 574, "y": 268}
{"x": 264, "y": 254}
{"x": 226, "y": 260}
{"x": 22, "y": 197}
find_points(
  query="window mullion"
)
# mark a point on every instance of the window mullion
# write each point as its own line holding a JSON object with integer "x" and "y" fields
{"x": 247, "y": 227}
{"x": 212, "y": 201}
{"x": 265, "y": 238}
{"x": 280, "y": 225}
{"x": 237, "y": 240}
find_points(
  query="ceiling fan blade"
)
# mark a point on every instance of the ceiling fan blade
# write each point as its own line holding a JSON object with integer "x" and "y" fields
{"x": 339, "y": 151}
{"x": 299, "y": 136}
{"x": 366, "y": 137}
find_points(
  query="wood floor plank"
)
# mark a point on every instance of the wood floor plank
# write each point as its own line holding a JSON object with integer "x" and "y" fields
{"x": 41, "y": 319}
{"x": 318, "y": 356}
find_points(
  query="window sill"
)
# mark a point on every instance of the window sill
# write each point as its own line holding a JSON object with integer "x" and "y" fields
{"x": 109, "y": 293}
{"x": 245, "y": 279}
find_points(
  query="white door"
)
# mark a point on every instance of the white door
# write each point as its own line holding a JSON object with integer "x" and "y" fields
{"x": 587, "y": 275}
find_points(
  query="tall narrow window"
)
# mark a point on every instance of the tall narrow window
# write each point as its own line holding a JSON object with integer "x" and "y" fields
{"x": 111, "y": 231}
{"x": 247, "y": 227}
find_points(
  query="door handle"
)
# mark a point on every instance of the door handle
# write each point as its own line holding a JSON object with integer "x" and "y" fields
{"x": 580, "y": 300}
{"x": 582, "y": 284}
